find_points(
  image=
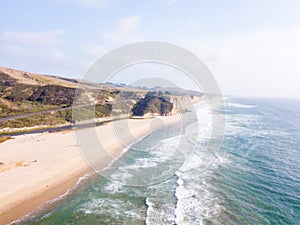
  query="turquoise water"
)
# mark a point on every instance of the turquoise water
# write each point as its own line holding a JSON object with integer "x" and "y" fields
{"x": 254, "y": 178}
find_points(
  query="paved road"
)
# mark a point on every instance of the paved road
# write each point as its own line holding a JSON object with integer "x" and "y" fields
{"x": 32, "y": 114}
{"x": 38, "y": 113}
{"x": 57, "y": 129}
{"x": 46, "y": 111}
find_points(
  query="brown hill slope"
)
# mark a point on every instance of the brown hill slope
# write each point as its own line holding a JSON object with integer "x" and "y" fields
{"x": 22, "y": 77}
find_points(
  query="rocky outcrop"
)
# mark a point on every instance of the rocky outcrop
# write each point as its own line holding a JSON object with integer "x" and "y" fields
{"x": 164, "y": 105}
{"x": 183, "y": 103}
{"x": 152, "y": 106}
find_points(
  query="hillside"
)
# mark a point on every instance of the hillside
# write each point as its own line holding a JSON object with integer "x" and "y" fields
{"x": 152, "y": 106}
{"x": 28, "y": 100}
{"x": 26, "y": 78}
{"x": 44, "y": 100}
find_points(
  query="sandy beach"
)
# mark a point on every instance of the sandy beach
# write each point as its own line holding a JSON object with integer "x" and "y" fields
{"x": 36, "y": 168}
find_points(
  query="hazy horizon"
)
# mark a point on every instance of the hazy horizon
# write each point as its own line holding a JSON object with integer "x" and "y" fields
{"x": 251, "y": 48}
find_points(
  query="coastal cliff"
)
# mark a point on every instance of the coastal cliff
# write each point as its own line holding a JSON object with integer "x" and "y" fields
{"x": 183, "y": 103}
{"x": 152, "y": 106}
{"x": 164, "y": 105}
{"x": 30, "y": 101}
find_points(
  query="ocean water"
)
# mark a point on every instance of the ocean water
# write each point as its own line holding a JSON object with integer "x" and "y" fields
{"x": 171, "y": 177}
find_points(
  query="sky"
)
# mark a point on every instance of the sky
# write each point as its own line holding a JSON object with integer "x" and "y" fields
{"x": 252, "y": 47}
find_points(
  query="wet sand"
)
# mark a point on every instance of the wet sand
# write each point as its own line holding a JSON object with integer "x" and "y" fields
{"x": 39, "y": 167}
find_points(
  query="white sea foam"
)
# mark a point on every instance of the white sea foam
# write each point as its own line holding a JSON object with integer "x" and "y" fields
{"x": 60, "y": 197}
{"x": 222, "y": 159}
{"x": 46, "y": 216}
{"x": 89, "y": 207}
{"x": 158, "y": 213}
{"x": 150, "y": 211}
{"x": 194, "y": 202}
{"x": 270, "y": 132}
{"x": 114, "y": 187}
{"x": 124, "y": 150}
{"x": 238, "y": 105}
{"x": 159, "y": 155}
{"x": 112, "y": 207}
{"x": 241, "y": 124}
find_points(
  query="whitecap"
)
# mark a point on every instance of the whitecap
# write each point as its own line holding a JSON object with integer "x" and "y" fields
{"x": 239, "y": 105}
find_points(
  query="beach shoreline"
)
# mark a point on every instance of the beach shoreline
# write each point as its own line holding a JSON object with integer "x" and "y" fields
{"x": 57, "y": 157}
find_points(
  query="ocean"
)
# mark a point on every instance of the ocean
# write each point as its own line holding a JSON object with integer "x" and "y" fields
{"x": 170, "y": 177}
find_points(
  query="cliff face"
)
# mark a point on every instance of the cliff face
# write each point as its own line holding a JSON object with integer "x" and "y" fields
{"x": 28, "y": 99}
{"x": 183, "y": 103}
{"x": 164, "y": 105}
{"x": 152, "y": 106}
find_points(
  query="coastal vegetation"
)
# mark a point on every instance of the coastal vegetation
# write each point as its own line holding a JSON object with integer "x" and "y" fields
{"x": 30, "y": 100}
